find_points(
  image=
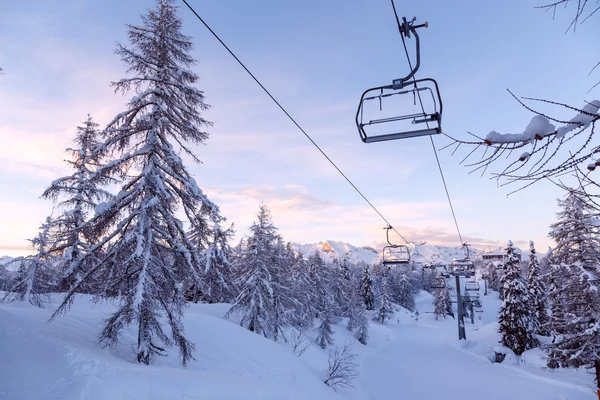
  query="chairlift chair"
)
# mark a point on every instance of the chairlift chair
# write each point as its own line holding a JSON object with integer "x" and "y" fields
{"x": 472, "y": 286}
{"x": 464, "y": 267}
{"x": 438, "y": 283}
{"x": 424, "y": 121}
{"x": 395, "y": 255}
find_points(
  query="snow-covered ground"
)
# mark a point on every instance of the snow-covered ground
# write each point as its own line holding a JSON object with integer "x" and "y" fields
{"x": 408, "y": 358}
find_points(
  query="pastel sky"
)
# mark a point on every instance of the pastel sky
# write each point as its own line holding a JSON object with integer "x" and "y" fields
{"x": 316, "y": 57}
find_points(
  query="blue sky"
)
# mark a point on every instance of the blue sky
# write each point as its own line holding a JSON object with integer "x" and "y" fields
{"x": 316, "y": 57}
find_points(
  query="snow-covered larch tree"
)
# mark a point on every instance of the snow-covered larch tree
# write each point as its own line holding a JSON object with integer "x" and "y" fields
{"x": 217, "y": 275}
{"x": 366, "y": 288}
{"x": 324, "y": 298}
{"x": 145, "y": 251}
{"x": 79, "y": 196}
{"x": 515, "y": 314}
{"x": 403, "y": 290}
{"x": 441, "y": 301}
{"x": 255, "y": 276}
{"x": 33, "y": 280}
{"x": 385, "y": 307}
{"x": 575, "y": 318}
{"x": 357, "y": 315}
{"x": 537, "y": 294}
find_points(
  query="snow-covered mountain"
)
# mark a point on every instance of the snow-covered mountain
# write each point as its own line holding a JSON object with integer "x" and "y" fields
{"x": 331, "y": 249}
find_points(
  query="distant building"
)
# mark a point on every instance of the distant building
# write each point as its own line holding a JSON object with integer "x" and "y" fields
{"x": 498, "y": 257}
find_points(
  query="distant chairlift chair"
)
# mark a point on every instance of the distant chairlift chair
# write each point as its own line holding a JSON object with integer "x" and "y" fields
{"x": 464, "y": 267}
{"x": 395, "y": 255}
{"x": 394, "y": 126}
{"x": 438, "y": 283}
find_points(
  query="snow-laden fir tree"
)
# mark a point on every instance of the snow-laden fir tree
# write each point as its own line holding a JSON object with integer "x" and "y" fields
{"x": 255, "y": 276}
{"x": 320, "y": 278}
{"x": 537, "y": 294}
{"x": 285, "y": 302}
{"x": 34, "y": 278}
{"x": 79, "y": 195}
{"x": 515, "y": 319}
{"x": 385, "y": 307}
{"x": 441, "y": 302}
{"x": 217, "y": 275}
{"x": 366, "y": 288}
{"x": 493, "y": 279}
{"x": 574, "y": 293}
{"x": 304, "y": 302}
{"x": 576, "y": 233}
{"x": 145, "y": 250}
{"x": 403, "y": 290}
{"x": 340, "y": 284}
{"x": 357, "y": 315}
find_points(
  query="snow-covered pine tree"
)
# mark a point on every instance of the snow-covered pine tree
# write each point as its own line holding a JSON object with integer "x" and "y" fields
{"x": 385, "y": 307}
{"x": 284, "y": 302}
{"x": 493, "y": 279}
{"x": 574, "y": 290}
{"x": 357, "y": 316}
{"x": 145, "y": 250}
{"x": 403, "y": 291}
{"x": 217, "y": 275}
{"x": 576, "y": 233}
{"x": 33, "y": 280}
{"x": 441, "y": 299}
{"x": 324, "y": 298}
{"x": 515, "y": 314}
{"x": 537, "y": 294}
{"x": 79, "y": 196}
{"x": 340, "y": 284}
{"x": 255, "y": 276}
{"x": 304, "y": 302}
{"x": 366, "y": 289}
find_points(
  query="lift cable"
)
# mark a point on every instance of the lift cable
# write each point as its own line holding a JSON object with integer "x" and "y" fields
{"x": 301, "y": 129}
{"x": 430, "y": 137}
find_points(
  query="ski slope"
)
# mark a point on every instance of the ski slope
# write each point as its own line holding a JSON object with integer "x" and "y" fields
{"x": 407, "y": 358}
{"x": 424, "y": 361}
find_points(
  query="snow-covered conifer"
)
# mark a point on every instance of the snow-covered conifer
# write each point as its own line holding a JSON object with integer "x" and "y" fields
{"x": 217, "y": 278}
{"x": 441, "y": 302}
{"x": 255, "y": 279}
{"x": 79, "y": 196}
{"x": 357, "y": 316}
{"x": 366, "y": 289}
{"x": 537, "y": 294}
{"x": 575, "y": 317}
{"x": 515, "y": 314}
{"x": 324, "y": 298}
{"x": 385, "y": 308}
{"x": 403, "y": 292}
{"x": 33, "y": 280}
{"x": 304, "y": 302}
{"x": 576, "y": 233}
{"x": 144, "y": 248}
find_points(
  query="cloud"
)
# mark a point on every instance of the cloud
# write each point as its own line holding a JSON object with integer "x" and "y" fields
{"x": 304, "y": 217}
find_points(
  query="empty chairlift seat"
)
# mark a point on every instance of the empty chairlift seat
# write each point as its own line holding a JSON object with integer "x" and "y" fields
{"x": 406, "y": 108}
{"x": 472, "y": 286}
{"x": 464, "y": 267}
{"x": 396, "y": 255}
{"x": 438, "y": 283}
